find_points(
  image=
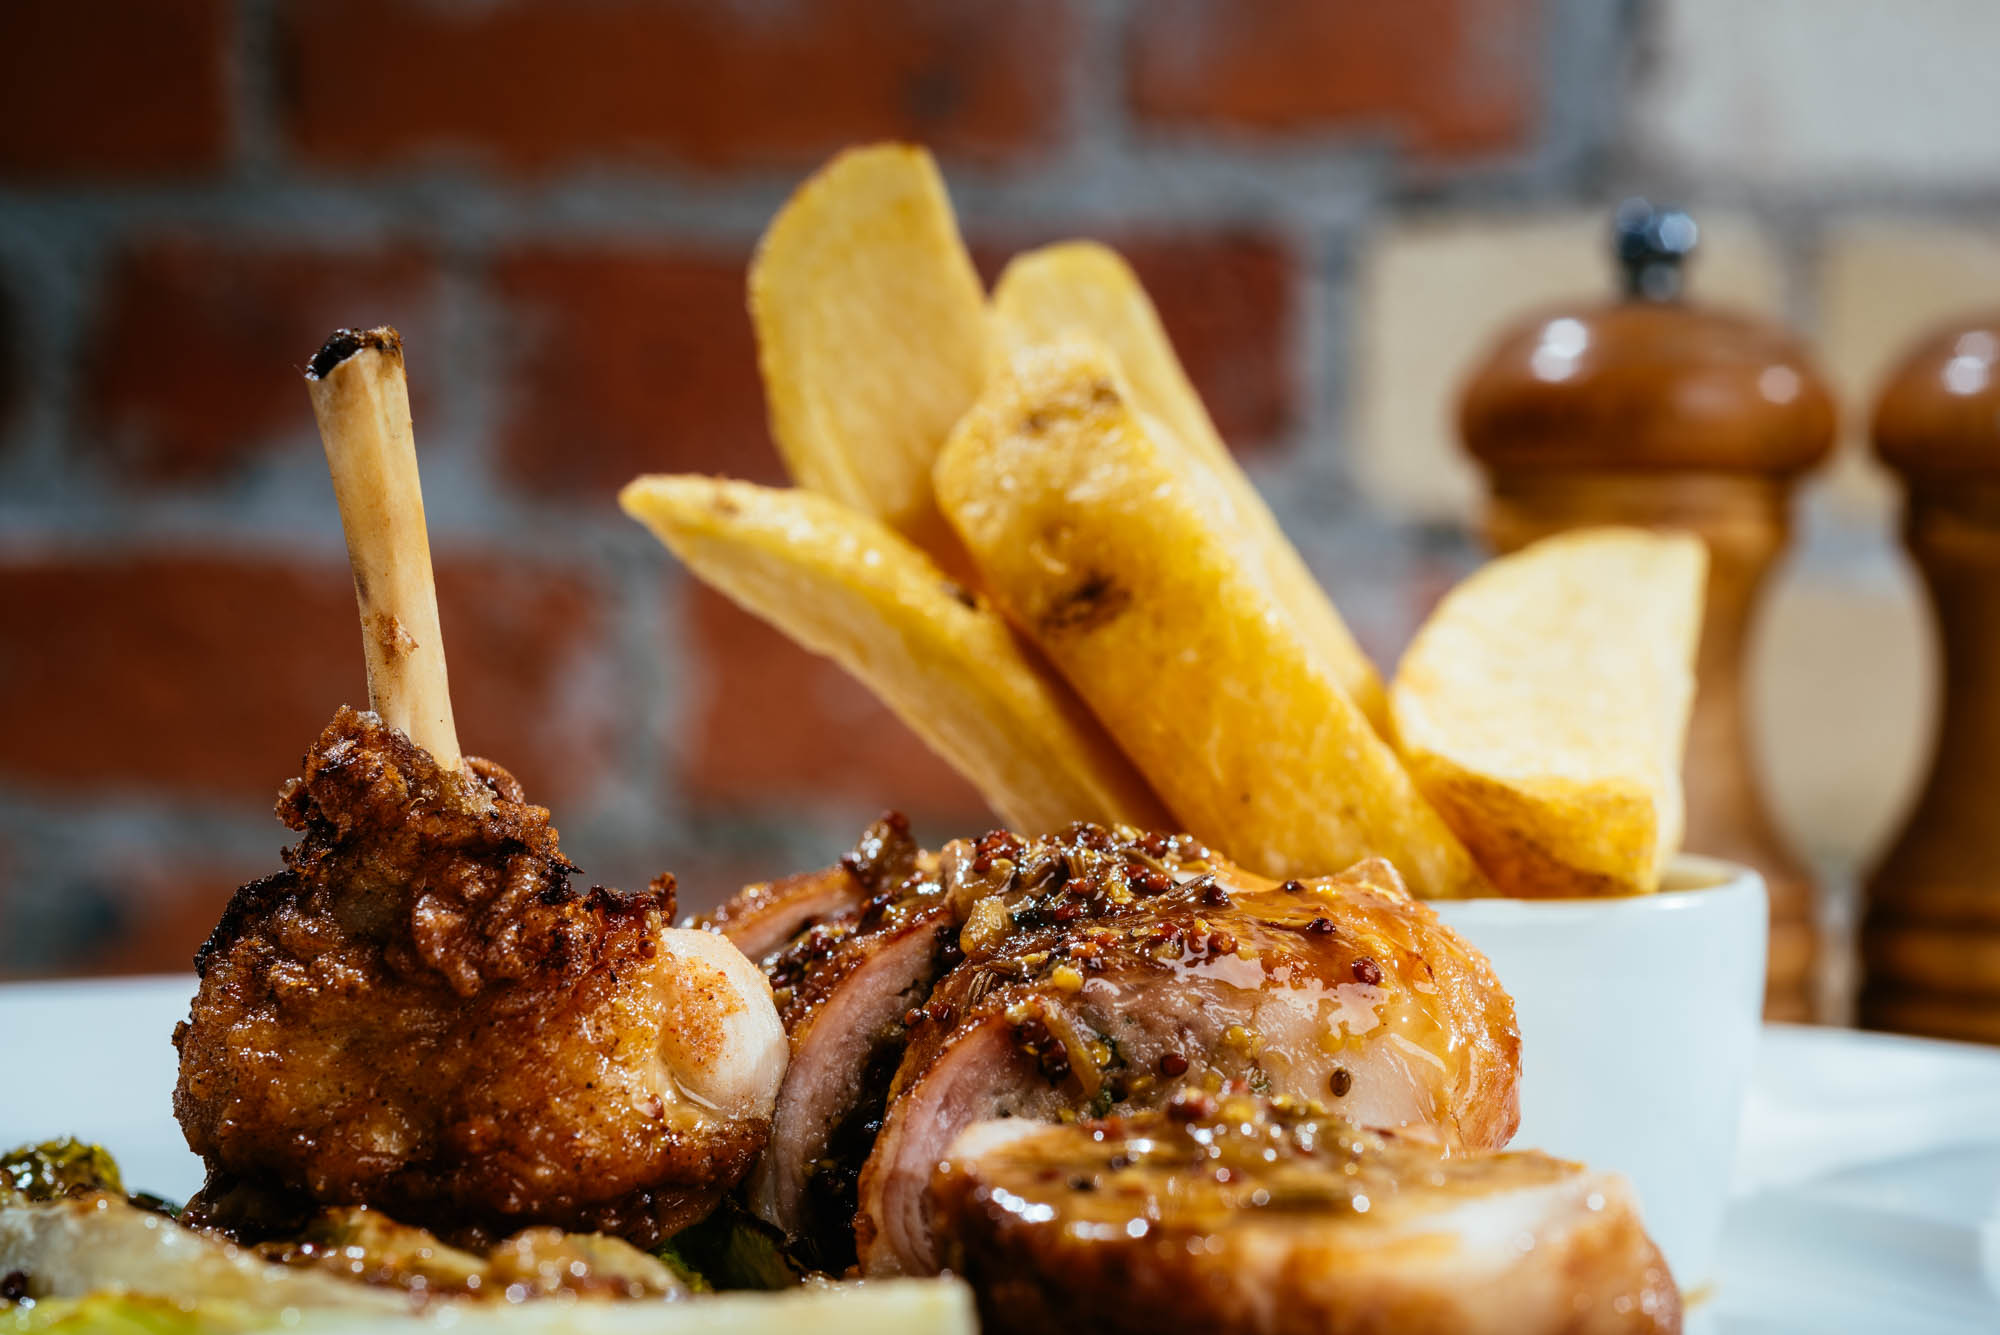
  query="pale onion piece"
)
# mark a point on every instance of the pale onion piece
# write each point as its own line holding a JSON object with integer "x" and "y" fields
{"x": 865, "y": 1307}
{"x": 725, "y": 1046}
{"x": 89, "y": 1244}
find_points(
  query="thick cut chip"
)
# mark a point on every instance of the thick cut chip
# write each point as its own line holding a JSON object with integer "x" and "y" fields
{"x": 871, "y": 335}
{"x": 1083, "y": 288}
{"x": 1116, "y": 555}
{"x": 844, "y": 585}
{"x": 1544, "y": 705}
{"x": 1086, "y": 289}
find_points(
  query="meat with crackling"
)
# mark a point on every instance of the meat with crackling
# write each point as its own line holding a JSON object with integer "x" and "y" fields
{"x": 420, "y": 1013}
{"x": 1099, "y": 969}
{"x": 1268, "y": 1217}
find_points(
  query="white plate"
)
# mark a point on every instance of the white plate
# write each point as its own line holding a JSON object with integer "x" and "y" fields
{"x": 1867, "y": 1187}
{"x": 1867, "y": 1183}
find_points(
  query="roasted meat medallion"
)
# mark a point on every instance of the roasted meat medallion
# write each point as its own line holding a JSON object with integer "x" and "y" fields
{"x": 1257, "y": 1215}
{"x": 1099, "y": 970}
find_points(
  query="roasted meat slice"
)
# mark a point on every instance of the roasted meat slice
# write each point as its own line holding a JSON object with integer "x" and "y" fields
{"x": 1251, "y": 1215}
{"x": 845, "y": 986}
{"x": 422, "y": 1014}
{"x": 762, "y": 919}
{"x": 1103, "y": 970}
{"x": 769, "y": 916}
{"x": 765, "y": 917}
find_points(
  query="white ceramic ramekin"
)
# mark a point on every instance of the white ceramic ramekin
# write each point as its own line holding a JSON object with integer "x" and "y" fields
{"x": 1639, "y": 1020}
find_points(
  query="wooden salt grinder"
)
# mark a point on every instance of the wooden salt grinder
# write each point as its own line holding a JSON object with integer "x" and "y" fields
{"x": 1661, "y": 413}
{"x": 1931, "y": 937}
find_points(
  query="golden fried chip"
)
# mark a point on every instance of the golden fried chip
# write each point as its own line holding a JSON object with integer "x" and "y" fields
{"x": 847, "y": 586}
{"x": 1083, "y": 288}
{"x": 1115, "y": 553}
{"x": 871, "y": 335}
{"x": 1544, "y": 706}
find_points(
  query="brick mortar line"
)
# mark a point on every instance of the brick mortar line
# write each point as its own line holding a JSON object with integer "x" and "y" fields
{"x": 1321, "y": 339}
{"x": 57, "y": 842}
{"x": 1586, "y": 53}
{"x": 53, "y": 284}
{"x": 257, "y": 131}
{"x": 356, "y": 216}
{"x": 235, "y": 828}
{"x": 1095, "y": 173}
{"x": 653, "y": 668}
{"x": 1095, "y": 74}
{"x": 42, "y": 830}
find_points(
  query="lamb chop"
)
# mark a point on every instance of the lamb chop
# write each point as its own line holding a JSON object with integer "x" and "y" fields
{"x": 1096, "y": 969}
{"x": 420, "y": 1012}
{"x": 1266, "y": 1216}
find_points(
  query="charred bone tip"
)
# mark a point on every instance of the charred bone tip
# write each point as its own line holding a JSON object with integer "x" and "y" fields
{"x": 344, "y": 343}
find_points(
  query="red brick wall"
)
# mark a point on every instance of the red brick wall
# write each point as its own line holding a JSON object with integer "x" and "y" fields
{"x": 554, "y": 199}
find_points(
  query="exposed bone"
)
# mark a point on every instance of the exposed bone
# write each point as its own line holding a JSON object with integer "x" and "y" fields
{"x": 362, "y": 403}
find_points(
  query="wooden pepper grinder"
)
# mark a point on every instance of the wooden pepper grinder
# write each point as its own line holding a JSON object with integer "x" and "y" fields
{"x": 1931, "y": 937}
{"x": 1657, "y": 412}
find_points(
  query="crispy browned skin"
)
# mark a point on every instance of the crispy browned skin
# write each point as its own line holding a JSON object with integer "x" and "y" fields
{"x": 1269, "y": 1217}
{"x": 421, "y": 1014}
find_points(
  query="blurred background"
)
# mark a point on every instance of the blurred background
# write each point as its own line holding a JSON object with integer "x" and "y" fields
{"x": 1336, "y": 203}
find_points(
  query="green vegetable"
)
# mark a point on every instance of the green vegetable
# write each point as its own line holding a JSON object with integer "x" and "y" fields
{"x": 670, "y": 1256}
{"x": 732, "y": 1249}
{"x": 55, "y": 1169}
